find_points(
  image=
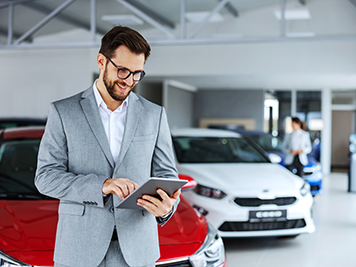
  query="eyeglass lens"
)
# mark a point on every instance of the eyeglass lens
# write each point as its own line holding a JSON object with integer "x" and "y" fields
{"x": 125, "y": 73}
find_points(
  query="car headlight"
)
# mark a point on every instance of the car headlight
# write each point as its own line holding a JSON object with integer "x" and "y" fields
{"x": 209, "y": 192}
{"x": 7, "y": 261}
{"x": 305, "y": 189}
{"x": 212, "y": 252}
{"x": 313, "y": 169}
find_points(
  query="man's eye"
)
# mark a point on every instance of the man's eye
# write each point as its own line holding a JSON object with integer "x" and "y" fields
{"x": 124, "y": 71}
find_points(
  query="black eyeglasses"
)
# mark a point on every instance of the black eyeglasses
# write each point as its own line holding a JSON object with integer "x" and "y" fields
{"x": 123, "y": 73}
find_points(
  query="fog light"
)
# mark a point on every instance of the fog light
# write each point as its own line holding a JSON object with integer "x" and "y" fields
{"x": 200, "y": 210}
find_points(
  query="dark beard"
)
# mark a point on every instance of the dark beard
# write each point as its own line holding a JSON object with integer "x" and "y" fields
{"x": 110, "y": 87}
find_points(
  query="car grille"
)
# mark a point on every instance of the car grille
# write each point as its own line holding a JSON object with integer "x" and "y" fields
{"x": 183, "y": 263}
{"x": 314, "y": 187}
{"x": 256, "y": 202}
{"x": 261, "y": 226}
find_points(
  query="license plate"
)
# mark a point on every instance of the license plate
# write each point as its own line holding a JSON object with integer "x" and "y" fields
{"x": 267, "y": 215}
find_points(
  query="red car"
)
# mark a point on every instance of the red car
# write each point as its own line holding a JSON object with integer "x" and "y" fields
{"x": 28, "y": 219}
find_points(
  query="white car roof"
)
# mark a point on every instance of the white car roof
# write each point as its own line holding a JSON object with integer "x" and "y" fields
{"x": 203, "y": 132}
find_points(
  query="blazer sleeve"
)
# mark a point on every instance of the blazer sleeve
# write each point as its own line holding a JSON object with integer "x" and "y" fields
{"x": 163, "y": 163}
{"x": 52, "y": 175}
{"x": 307, "y": 147}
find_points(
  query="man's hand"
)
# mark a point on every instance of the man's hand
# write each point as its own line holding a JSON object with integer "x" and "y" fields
{"x": 121, "y": 187}
{"x": 158, "y": 207}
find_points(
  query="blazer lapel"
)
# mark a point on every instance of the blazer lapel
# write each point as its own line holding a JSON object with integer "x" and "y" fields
{"x": 134, "y": 110}
{"x": 91, "y": 112}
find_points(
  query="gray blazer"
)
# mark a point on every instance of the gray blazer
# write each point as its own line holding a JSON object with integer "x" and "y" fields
{"x": 305, "y": 144}
{"x": 75, "y": 159}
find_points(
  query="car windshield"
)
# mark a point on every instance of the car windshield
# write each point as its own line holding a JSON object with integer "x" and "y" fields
{"x": 267, "y": 142}
{"x": 216, "y": 150}
{"x": 18, "y": 161}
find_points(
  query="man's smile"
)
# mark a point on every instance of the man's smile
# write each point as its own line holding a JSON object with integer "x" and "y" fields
{"x": 123, "y": 87}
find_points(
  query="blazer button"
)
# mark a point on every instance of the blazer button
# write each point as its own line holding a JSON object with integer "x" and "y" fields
{"x": 112, "y": 209}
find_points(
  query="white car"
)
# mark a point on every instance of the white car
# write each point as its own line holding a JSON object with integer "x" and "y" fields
{"x": 239, "y": 190}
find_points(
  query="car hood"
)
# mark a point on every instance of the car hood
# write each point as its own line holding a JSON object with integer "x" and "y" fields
{"x": 244, "y": 179}
{"x": 27, "y": 230}
{"x": 28, "y": 227}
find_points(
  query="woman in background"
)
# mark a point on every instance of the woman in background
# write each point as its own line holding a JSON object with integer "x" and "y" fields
{"x": 297, "y": 145}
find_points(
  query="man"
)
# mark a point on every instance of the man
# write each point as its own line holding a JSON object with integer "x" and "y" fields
{"x": 296, "y": 146}
{"x": 98, "y": 147}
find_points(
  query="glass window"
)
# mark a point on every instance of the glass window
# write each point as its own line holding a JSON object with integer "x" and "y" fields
{"x": 18, "y": 161}
{"x": 216, "y": 150}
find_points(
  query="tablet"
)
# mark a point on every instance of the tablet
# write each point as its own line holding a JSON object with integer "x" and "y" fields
{"x": 150, "y": 188}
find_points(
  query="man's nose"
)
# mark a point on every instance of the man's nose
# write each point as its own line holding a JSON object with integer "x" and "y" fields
{"x": 129, "y": 80}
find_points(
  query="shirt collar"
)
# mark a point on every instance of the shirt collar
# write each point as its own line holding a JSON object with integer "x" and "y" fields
{"x": 100, "y": 101}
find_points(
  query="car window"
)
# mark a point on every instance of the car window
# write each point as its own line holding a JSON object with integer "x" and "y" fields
{"x": 215, "y": 150}
{"x": 14, "y": 123}
{"x": 18, "y": 161}
{"x": 267, "y": 142}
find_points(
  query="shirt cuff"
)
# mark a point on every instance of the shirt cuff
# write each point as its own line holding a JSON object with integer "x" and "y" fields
{"x": 164, "y": 218}
{"x": 167, "y": 215}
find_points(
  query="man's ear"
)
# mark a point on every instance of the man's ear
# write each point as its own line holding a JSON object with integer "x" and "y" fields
{"x": 100, "y": 60}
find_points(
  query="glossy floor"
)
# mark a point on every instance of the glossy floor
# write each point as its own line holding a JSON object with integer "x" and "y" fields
{"x": 332, "y": 244}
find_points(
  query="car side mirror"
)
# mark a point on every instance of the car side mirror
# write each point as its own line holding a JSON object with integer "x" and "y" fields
{"x": 191, "y": 182}
{"x": 274, "y": 158}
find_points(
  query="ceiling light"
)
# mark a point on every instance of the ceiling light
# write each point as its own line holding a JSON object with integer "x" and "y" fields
{"x": 122, "y": 19}
{"x": 197, "y": 17}
{"x": 293, "y": 14}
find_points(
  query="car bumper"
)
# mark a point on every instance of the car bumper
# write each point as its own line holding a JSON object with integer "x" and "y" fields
{"x": 232, "y": 220}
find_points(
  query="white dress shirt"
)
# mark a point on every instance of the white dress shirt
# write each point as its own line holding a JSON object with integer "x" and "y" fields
{"x": 114, "y": 125}
{"x": 113, "y": 122}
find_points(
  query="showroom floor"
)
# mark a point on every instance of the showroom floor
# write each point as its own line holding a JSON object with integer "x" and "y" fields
{"x": 332, "y": 244}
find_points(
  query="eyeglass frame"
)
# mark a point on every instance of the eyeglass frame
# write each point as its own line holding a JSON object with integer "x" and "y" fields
{"x": 143, "y": 73}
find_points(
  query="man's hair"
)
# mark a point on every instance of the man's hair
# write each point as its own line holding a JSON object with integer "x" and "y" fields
{"x": 120, "y": 35}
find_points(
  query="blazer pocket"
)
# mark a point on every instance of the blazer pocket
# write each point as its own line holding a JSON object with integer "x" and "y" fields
{"x": 143, "y": 138}
{"x": 71, "y": 209}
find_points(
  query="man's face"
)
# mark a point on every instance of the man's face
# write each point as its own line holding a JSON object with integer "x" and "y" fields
{"x": 118, "y": 88}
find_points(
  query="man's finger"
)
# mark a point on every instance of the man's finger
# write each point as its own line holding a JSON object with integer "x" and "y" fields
{"x": 118, "y": 192}
{"x": 176, "y": 194}
{"x": 151, "y": 199}
{"x": 123, "y": 188}
{"x": 162, "y": 194}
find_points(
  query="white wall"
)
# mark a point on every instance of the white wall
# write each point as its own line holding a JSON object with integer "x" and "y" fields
{"x": 31, "y": 79}
{"x": 301, "y": 65}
